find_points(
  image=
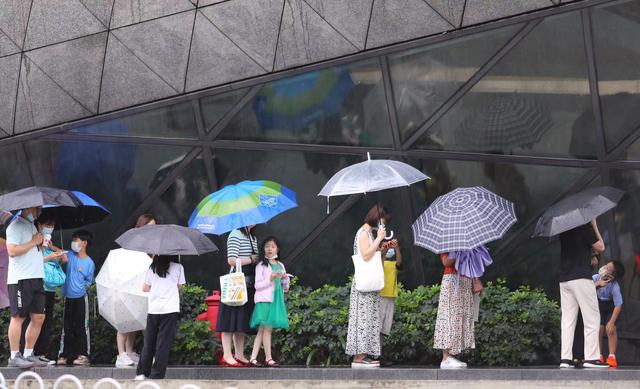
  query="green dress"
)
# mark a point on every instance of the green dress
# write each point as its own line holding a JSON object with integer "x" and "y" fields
{"x": 272, "y": 314}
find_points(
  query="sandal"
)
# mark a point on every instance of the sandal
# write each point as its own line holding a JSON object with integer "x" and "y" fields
{"x": 255, "y": 363}
{"x": 244, "y": 363}
{"x": 272, "y": 363}
{"x": 224, "y": 363}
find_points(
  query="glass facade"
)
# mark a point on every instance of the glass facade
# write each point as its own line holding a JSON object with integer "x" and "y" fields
{"x": 549, "y": 108}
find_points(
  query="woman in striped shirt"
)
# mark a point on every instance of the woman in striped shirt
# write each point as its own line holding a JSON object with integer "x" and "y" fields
{"x": 233, "y": 322}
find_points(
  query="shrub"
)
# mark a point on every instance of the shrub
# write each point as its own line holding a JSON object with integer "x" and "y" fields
{"x": 514, "y": 328}
{"x": 194, "y": 343}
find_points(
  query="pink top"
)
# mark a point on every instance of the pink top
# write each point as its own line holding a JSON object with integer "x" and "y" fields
{"x": 4, "y": 268}
{"x": 264, "y": 286}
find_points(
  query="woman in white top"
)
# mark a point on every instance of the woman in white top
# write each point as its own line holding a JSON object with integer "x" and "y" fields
{"x": 163, "y": 280}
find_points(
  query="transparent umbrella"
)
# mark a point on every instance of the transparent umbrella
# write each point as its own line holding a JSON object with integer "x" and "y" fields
{"x": 371, "y": 175}
{"x": 121, "y": 300}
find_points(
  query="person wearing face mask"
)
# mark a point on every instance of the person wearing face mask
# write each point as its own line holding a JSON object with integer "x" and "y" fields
{"x": 610, "y": 305}
{"x": 25, "y": 286}
{"x": 392, "y": 264}
{"x": 80, "y": 270}
{"x": 53, "y": 278}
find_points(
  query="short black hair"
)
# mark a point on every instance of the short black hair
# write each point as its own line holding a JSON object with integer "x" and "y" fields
{"x": 618, "y": 270}
{"x": 84, "y": 236}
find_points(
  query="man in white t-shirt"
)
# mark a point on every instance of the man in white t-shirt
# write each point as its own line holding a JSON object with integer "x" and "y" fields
{"x": 26, "y": 291}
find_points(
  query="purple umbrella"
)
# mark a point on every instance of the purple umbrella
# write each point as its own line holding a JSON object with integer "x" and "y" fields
{"x": 471, "y": 263}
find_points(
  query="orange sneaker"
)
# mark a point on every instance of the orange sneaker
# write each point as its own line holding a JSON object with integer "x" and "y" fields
{"x": 611, "y": 361}
{"x": 601, "y": 359}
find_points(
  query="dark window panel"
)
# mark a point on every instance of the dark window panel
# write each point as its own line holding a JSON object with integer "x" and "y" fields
{"x": 424, "y": 78}
{"x": 535, "y": 101}
{"x": 216, "y": 106}
{"x": 173, "y": 121}
{"x": 617, "y": 52}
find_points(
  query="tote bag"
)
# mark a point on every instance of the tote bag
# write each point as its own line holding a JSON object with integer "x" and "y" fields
{"x": 233, "y": 287}
{"x": 369, "y": 275}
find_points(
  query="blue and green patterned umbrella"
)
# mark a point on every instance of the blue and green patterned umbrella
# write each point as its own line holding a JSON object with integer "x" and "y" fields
{"x": 240, "y": 205}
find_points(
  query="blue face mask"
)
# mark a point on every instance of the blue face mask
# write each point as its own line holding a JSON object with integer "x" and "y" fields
{"x": 31, "y": 218}
{"x": 391, "y": 253}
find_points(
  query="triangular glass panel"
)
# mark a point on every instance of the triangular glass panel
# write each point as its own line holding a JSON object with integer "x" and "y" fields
{"x": 424, "y": 78}
{"x": 214, "y": 107}
{"x": 172, "y": 121}
{"x": 527, "y": 104}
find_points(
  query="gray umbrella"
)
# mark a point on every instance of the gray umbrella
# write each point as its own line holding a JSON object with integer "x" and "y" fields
{"x": 166, "y": 239}
{"x": 37, "y": 196}
{"x": 577, "y": 209}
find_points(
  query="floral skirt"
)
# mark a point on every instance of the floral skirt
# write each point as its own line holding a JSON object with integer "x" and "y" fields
{"x": 363, "y": 333}
{"x": 454, "y": 330}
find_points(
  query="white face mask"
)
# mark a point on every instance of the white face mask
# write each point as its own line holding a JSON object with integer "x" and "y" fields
{"x": 602, "y": 271}
{"x": 75, "y": 246}
{"x": 47, "y": 230}
{"x": 274, "y": 257}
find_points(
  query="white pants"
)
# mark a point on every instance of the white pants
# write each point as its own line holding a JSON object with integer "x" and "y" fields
{"x": 574, "y": 295}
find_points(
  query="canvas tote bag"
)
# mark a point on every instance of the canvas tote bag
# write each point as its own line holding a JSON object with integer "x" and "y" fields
{"x": 369, "y": 275}
{"x": 233, "y": 287}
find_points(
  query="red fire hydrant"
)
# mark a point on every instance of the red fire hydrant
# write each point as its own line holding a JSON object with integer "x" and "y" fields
{"x": 211, "y": 315}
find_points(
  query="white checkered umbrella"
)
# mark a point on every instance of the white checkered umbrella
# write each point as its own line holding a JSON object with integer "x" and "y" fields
{"x": 463, "y": 219}
{"x": 505, "y": 123}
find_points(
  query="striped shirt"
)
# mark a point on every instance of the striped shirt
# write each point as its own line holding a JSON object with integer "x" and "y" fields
{"x": 239, "y": 246}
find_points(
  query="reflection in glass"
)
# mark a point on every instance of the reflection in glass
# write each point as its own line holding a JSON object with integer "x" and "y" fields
{"x": 617, "y": 50}
{"x": 424, "y": 78}
{"x": 173, "y": 121}
{"x": 175, "y": 207}
{"x": 344, "y": 105}
{"x": 527, "y": 104}
{"x": 119, "y": 176}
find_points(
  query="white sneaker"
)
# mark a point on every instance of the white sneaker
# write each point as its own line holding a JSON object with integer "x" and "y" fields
{"x": 140, "y": 377}
{"x": 123, "y": 360}
{"x": 134, "y": 357}
{"x": 452, "y": 363}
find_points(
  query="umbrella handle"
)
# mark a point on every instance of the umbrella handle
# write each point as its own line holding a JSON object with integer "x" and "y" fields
{"x": 390, "y": 236}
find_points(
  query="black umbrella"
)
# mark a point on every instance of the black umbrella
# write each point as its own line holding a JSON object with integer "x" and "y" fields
{"x": 166, "y": 239}
{"x": 38, "y": 196}
{"x": 577, "y": 210}
{"x": 89, "y": 211}
{"x": 505, "y": 123}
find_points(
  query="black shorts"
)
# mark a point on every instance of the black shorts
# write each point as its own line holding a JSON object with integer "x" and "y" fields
{"x": 606, "y": 311}
{"x": 26, "y": 297}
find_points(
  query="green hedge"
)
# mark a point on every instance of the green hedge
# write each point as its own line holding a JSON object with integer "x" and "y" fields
{"x": 194, "y": 343}
{"x": 520, "y": 327}
{"x": 515, "y": 327}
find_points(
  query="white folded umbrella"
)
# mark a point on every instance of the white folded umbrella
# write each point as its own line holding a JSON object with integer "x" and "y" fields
{"x": 121, "y": 300}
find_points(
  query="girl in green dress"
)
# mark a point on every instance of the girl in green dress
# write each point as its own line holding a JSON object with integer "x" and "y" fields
{"x": 270, "y": 312}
